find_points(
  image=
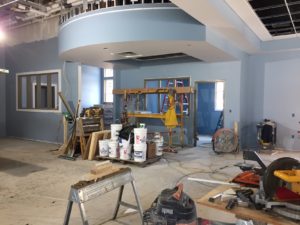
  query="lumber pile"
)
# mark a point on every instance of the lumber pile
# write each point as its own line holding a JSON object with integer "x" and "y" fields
{"x": 100, "y": 170}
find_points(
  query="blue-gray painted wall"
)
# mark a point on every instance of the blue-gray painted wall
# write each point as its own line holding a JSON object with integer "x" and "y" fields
{"x": 90, "y": 86}
{"x": 230, "y": 72}
{"x": 2, "y": 95}
{"x": 37, "y": 56}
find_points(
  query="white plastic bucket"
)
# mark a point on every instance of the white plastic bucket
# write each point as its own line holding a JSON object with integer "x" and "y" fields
{"x": 125, "y": 152}
{"x": 115, "y": 128}
{"x": 140, "y": 152}
{"x": 140, "y": 135}
{"x": 103, "y": 147}
{"x": 159, "y": 147}
{"x": 113, "y": 148}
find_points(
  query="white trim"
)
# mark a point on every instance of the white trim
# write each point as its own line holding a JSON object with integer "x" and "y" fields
{"x": 45, "y": 85}
{"x": 58, "y": 71}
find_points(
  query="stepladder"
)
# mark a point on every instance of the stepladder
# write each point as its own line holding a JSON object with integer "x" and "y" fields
{"x": 84, "y": 191}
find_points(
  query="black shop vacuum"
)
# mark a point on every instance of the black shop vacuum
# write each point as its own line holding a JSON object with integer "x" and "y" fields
{"x": 172, "y": 207}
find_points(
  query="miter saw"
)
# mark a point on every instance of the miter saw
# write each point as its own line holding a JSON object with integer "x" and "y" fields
{"x": 278, "y": 184}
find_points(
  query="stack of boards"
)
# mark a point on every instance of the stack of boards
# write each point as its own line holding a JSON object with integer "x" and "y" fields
{"x": 100, "y": 170}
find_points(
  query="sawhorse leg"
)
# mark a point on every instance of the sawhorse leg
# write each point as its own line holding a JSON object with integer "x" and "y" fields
{"x": 69, "y": 210}
{"x": 137, "y": 201}
{"x": 119, "y": 202}
{"x": 83, "y": 214}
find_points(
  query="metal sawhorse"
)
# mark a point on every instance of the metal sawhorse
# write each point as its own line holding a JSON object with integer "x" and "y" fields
{"x": 85, "y": 191}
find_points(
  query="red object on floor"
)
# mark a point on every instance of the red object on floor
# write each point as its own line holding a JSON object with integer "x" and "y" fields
{"x": 247, "y": 179}
{"x": 283, "y": 193}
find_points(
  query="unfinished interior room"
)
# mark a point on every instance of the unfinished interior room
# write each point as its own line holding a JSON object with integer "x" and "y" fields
{"x": 149, "y": 112}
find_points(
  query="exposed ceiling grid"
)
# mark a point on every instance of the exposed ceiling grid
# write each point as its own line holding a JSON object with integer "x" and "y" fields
{"x": 280, "y": 17}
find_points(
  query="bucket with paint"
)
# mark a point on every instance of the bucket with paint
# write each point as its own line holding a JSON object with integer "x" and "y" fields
{"x": 140, "y": 135}
{"x": 113, "y": 148}
{"x": 103, "y": 148}
{"x": 115, "y": 128}
{"x": 140, "y": 152}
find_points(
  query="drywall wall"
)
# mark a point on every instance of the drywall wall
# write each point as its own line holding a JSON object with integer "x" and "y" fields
{"x": 90, "y": 86}
{"x": 228, "y": 71}
{"x": 37, "y": 56}
{"x": 270, "y": 91}
{"x": 2, "y": 96}
{"x": 281, "y": 100}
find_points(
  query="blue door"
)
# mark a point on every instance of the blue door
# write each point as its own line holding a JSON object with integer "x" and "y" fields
{"x": 207, "y": 116}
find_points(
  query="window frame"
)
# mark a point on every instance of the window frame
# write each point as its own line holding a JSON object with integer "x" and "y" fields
{"x": 160, "y": 83}
{"x": 104, "y": 79}
{"x": 42, "y": 72}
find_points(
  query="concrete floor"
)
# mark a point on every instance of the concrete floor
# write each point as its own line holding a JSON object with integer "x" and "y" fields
{"x": 35, "y": 183}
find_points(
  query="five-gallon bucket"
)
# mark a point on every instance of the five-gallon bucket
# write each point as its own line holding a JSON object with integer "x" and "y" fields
{"x": 159, "y": 146}
{"x": 125, "y": 152}
{"x": 140, "y": 152}
{"x": 115, "y": 128}
{"x": 140, "y": 135}
{"x": 113, "y": 148}
{"x": 103, "y": 147}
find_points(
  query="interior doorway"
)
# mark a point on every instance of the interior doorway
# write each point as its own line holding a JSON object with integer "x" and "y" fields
{"x": 209, "y": 110}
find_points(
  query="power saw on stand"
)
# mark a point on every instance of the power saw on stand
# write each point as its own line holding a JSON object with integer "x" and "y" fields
{"x": 278, "y": 184}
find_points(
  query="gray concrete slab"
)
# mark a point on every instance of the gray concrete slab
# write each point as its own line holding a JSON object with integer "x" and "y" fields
{"x": 35, "y": 183}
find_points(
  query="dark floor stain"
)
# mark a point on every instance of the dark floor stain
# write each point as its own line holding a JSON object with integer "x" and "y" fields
{"x": 18, "y": 168}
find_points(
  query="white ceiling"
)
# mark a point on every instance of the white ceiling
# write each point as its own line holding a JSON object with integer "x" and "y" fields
{"x": 98, "y": 55}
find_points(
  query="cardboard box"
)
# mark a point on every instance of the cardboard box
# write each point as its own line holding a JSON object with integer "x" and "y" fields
{"x": 151, "y": 150}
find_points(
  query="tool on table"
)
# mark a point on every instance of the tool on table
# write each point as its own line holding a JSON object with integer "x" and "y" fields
{"x": 278, "y": 185}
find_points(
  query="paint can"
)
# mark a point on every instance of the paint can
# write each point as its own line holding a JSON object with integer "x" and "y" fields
{"x": 140, "y": 152}
{"x": 113, "y": 148}
{"x": 115, "y": 128}
{"x": 103, "y": 148}
{"x": 140, "y": 135}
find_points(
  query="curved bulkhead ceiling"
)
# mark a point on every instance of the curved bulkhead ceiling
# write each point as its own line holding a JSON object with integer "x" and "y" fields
{"x": 119, "y": 36}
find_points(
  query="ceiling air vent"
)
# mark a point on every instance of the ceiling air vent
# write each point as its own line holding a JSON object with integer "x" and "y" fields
{"x": 160, "y": 57}
{"x": 129, "y": 54}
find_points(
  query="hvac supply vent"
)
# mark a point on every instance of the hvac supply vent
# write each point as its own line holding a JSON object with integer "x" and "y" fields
{"x": 280, "y": 17}
{"x": 160, "y": 57}
{"x": 129, "y": 54}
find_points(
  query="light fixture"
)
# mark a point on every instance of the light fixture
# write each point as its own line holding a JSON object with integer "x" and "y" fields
{"x": 4, "y": 71}
{"x": 2, "y": 35}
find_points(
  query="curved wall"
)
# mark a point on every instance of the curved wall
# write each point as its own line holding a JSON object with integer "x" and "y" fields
{"x": 129, "y": 24}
